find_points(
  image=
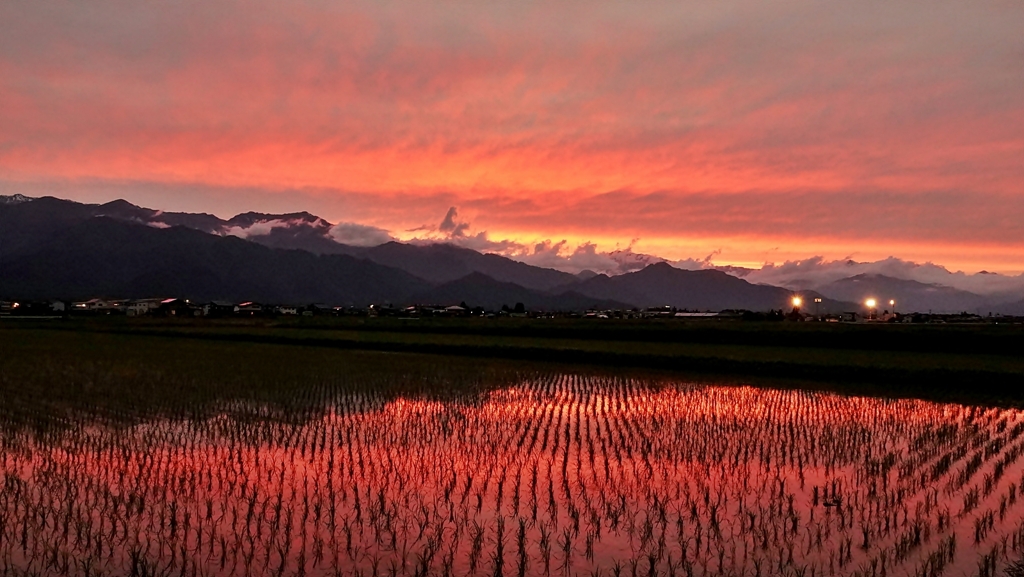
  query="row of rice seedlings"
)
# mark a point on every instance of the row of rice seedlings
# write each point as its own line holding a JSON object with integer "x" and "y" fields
{"x": 561, "y": 474}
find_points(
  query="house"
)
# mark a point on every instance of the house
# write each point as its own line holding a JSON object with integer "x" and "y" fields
{"x": 141, "y": 307}
{"x": 249, "y": 309}
{"x": 99, "y": 307}
{"x": 320, "y": 309}
{"x": 385, "y": 310}
{"x": 219, "y": 309}
{"x": 287, "y": 310}
{"x": 658, "y": 312}
{"x": 41, "y": 308}
{"x": 455, "y": 311}
{"x": 178, "y": 308}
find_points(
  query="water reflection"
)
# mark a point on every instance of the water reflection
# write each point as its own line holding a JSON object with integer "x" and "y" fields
{"x": 562, "y": 474}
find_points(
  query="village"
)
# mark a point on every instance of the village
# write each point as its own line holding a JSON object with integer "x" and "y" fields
{"x": 182, "y": 308}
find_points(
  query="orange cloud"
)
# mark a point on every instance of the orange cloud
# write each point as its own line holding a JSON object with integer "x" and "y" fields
{"x": 692, "y": 126}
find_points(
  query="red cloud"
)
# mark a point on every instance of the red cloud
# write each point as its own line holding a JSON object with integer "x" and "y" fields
{"x": 793, "y": 120}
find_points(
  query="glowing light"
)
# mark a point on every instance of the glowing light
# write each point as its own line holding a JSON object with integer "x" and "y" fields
{"x": 892, "y": 302}
{"x": 797, "y": 301}
{"x": 871, "y": 303}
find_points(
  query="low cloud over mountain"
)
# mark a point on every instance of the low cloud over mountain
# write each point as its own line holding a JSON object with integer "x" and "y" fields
{"x": 452, "y": 249}
{"x": 559, "y": 255}
{"x": 814, "y": 273}
{"x": 817, "y": 272}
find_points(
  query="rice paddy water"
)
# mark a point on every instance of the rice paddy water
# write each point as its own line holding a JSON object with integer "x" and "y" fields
{"x": 556, "y": 473}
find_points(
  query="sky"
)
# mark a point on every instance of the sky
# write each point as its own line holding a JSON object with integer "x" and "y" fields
{"x": 739, "y": 133}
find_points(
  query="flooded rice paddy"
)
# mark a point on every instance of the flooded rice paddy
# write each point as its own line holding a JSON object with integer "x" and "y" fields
{"x": 553, "y": 473}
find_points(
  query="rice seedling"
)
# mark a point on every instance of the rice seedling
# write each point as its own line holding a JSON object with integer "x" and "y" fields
{"x": 365, "y": 464}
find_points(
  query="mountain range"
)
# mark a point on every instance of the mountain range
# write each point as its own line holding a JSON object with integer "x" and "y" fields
{"x": 926, "y": 297}
{"x": 54, "y": 248}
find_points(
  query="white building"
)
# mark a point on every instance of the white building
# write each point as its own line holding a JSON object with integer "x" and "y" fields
{"x": 99, "y": 306}
{"x": 141, "y": 307}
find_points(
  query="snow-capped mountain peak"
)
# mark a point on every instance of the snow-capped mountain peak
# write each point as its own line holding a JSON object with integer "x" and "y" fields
{"x": 14, "y": 199}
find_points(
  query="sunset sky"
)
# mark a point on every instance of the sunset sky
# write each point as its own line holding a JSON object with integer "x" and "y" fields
{"x": 748, "y": 132}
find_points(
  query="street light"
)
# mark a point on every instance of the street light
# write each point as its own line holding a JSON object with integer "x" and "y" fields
{"x": 797, "y": 301}
{"x": 817, "y": 306}
{"x": 871, "y": 304}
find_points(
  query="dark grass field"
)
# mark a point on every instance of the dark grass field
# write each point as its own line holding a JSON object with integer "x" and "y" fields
{"x": 972, "y": 363}
{"x": 52, "y": 378}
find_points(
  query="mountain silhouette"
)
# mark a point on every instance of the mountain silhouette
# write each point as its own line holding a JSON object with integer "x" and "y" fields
{"x": 663, "y": 285}
{"x": 25, "y": 224}
{"x": 477, "y": 289}
{"x": 63, "y": 249}
{"x": 441, "y": 263}
{"x": 910, "y": 296}
{"x": 102, "y": 256}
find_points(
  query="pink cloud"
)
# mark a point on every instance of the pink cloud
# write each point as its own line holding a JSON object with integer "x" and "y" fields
{"x": 791, "y": 123}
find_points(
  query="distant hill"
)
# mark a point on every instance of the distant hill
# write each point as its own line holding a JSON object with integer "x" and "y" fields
{"x": 441, "y": 263}
{"x": 477, "y": 289}
{"x": 910, "y": 296}
{"x": 57, "y": 248}
{"x": 27, "y": 222}
{"x": 663, "y": 285}
{"x": 1015, "y": 308}
{"x": 107, "y": 257}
